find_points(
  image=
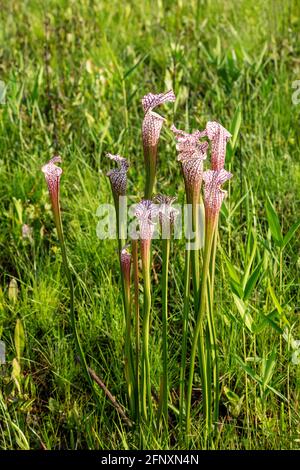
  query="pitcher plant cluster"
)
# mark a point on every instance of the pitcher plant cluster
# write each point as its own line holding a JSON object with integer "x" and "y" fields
{"x": 203, "y": 183}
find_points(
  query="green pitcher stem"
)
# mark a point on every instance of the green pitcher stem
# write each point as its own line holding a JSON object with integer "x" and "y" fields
{"x": 128, "y": 347}
{"x": 212, "y": 329}
{"x": 186, "y": 307}
{"x": 150, "y": 157}
{"x": 199, "y": 329}
{"x": 164, "y": 280}
{"x": 137, "y": 325}
{"x": 129, "y": 367}
{"x": 121, "y": 228}
{"x": 195, "y": 252}
{"x": 195, "y": 258}
{"x": 146, "y": 399}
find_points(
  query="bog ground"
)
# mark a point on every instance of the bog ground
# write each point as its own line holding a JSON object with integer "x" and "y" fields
{"x": 75, "y": 72}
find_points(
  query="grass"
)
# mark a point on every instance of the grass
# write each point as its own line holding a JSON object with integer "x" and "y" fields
{"x": 75, "y": 73}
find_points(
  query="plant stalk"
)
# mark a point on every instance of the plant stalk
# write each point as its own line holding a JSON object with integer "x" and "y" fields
{"x": 137, "y": 325}
{"x": 186, "y": 307}
{"x": 146, "y": 398}
{"x": 165, "y": 382}
{"x": 212, "y": 330}
{"x": 129, "y": 367}
{"x": 199, "y": 329}
{"x": 150, "y": 157}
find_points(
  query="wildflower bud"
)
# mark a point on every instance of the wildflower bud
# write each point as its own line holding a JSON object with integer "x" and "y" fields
{"x": 52, "y": 174}
{"x": 151, "y": 128}
{"x": 218, "y": 136}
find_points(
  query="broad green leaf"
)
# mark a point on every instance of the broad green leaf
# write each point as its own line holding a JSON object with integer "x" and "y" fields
{"x": 255, "y": 377}
{"x": 248, "y": 268}
{"x": 249, "y": 371}
{"x": 260, "y": 59}
{"x": 242, "y": 308}
{"x": 234, "y": 400}
{"x": 236, "y": 288}
{"x": 13, "y": 291}
{"x": 234, "y": 129}
{"x": 231, "y": 269}
{"x": 269, "y": 368}
{"x": 233, "y": 397}
{"x": 19, "y": 339}
{"x": 273, "y": 221}
{"x": 37, "y": 84}
{"x": 252, "y": 281}
{"x": 275, "y": 300}
{"x": 235, "y": 126}
{"x": 237, "y": 205}
{"x": 16, "y": 373}
{"x": 287, "y": 238}
{"x": 268, "y": 319}
{"x": 279, "y": 395}
{"x": 19, "y": 209}
{"x": 16, "y": 369}
{"x": 21, "y": 439}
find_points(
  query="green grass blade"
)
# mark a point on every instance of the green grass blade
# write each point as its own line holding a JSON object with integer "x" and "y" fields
{"x": 273, "y": 221}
